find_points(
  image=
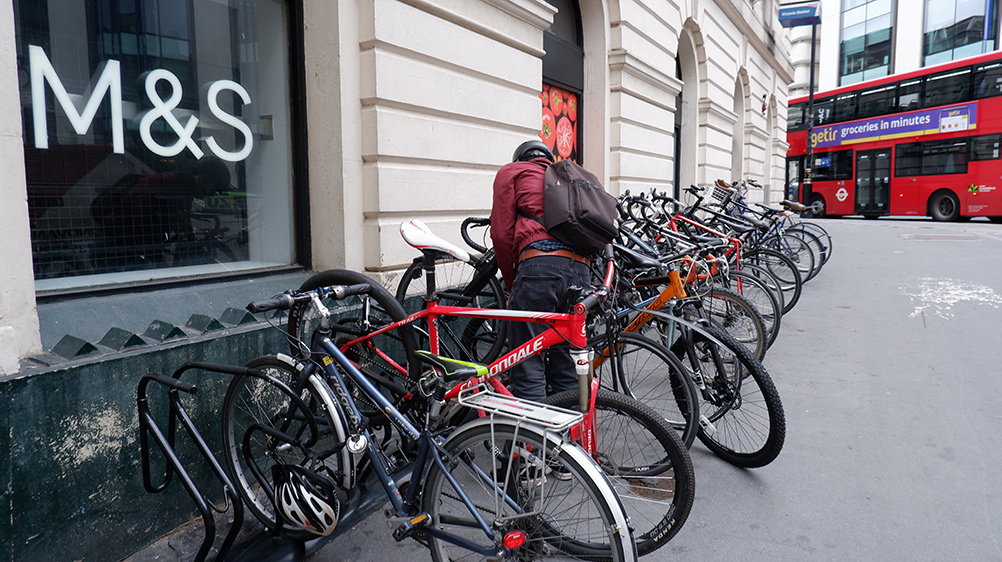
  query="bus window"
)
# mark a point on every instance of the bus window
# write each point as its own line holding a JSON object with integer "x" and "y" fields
{"x": 909, "y": 95}
{"x": 932, "y": 158}
{"x": 985, "y": 147}
{"x": 988, "y": 80}
{"x": 833, "y": 165}
{"x": 876, "y": 101}
{"x": 796, "y": 116}
{"x": 845, "y": 107}
{"x": 949, "y": 87}
{"x": 908, "y": 159}
{"x": 823, "y": 112}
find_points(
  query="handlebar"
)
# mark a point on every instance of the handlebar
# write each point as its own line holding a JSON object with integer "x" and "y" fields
{"x": 287, "y": 300}
{"x": 474, "y": 222}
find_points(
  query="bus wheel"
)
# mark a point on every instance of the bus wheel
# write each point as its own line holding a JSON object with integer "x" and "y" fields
{"x": 943, "y": 206}
{"x": 818, "y": 206}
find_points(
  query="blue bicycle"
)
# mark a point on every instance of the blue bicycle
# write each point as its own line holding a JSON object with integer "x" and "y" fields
{"x": 510, "y": 484}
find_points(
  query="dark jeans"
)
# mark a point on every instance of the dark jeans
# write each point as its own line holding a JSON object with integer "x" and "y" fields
{"x": 541, "y": 284}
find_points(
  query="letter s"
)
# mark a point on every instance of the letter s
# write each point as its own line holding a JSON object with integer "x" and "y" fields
{"x": 211, "y": 94}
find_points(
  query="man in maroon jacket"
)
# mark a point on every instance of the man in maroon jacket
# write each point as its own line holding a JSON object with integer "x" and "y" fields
{"x": 536, "y": 268}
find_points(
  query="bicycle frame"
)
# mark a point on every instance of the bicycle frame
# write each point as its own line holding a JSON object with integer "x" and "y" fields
{"x": 564, "y": 327}
{"x": 331, "y": 360}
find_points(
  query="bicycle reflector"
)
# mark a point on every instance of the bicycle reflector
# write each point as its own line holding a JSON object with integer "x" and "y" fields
{"x": 514, "y": 539}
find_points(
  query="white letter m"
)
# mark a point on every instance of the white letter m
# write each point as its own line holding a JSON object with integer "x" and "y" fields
{"x": 108, "y": 81}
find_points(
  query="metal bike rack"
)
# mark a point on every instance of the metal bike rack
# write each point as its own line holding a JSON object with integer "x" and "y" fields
{"x": 177, "y": 414}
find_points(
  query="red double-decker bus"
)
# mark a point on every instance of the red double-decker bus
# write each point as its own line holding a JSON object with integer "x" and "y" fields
{"x": 921, "y": 143}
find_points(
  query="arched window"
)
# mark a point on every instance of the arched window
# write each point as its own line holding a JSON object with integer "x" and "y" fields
{"x": 563, "y": 81}
{"x": 737, "y": 138}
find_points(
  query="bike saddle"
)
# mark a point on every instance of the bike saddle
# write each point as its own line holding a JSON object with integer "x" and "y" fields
{"x": 794, "y": 206}
{"x": 418, "y": 235}
{"x": 636, "y": 260}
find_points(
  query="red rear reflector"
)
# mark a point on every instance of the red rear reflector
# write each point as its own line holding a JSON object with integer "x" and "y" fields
{"x": 514, "y": 539}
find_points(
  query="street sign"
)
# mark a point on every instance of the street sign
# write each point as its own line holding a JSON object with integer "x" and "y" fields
{"x": 796, "y": 15}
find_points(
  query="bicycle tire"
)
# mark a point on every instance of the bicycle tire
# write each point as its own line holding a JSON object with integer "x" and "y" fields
{"x": 783, "y": 269}
{"x": 742, "y": 418}
{"x": 739, "y": 317}
{"x": 249, "y": 401}
{"x": 646, "y": 462}
{"x": 461, "y": 284}
{"x": 353, "y": 317}
{"x": 818, "y": 231}
{"x": 572, "y": 507}
{"x": 767, "y": 279}
{"x": 649, "y": 372}
{"x": 758, "y": 293}
{"x": 814, "y": 243}
{"x": 796, "y": 250}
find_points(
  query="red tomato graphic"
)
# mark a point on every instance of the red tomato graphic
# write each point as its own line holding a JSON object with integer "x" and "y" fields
{"x": 565, "y": 137}
{"x": 548, "y": 132}
{"x": 556, "y": 101}
{"x": 571, "y": 107}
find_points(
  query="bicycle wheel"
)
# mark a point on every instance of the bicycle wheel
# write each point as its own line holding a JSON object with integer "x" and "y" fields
{"x": 758, "y": 293}
{"x": 742, "y": 419}
{"x": 646, "y": 462}
{"x": 522, "y": 480}
{"x": 766, "y": 279}
{"x": 648, "y": 372}
{"x": 797, "y": 251}
{"x": 388, "y": 359}
{"x": 783, "y": 269}
{"x": 739, "y": 317}
{"x": 461, "y": 284}
{"x": 818, "y": 231}
{"x": 251, "y": 403}
{"x": 814, "y": 243}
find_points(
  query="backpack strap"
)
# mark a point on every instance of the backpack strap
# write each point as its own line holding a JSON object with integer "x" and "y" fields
{"x": 530, "y": 216}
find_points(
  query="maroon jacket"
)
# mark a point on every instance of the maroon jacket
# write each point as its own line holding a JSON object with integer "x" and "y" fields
{"x": 517, "y": 186}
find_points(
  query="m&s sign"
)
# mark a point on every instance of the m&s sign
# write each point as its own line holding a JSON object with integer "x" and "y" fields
{"x": 107, "y": 82}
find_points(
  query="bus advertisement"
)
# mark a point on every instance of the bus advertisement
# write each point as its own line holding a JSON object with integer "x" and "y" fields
{"x": 923, "y": 143}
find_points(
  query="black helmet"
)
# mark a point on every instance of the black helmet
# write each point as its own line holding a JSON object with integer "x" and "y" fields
{"x": 532, "y": 149}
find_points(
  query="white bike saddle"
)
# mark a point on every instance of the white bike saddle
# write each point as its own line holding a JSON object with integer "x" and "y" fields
{"x": 418, "y": 235}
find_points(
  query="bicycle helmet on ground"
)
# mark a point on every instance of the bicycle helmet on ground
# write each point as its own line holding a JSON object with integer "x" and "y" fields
{"x": 532, "y": 149}
{"x": 306, "y": 499}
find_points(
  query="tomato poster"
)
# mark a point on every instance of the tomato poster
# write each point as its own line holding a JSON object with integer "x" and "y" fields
{"x": 559, "y": 128}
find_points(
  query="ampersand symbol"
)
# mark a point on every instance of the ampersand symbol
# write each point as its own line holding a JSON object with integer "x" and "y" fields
{"x": 165, "y": 110}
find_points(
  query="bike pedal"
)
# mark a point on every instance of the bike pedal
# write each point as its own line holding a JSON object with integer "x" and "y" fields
{"x": 408, "y": 527}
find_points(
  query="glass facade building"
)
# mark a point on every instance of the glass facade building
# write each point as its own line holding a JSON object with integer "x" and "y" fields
{"x": 955, "y": 29}
{"x": 866, "y": 40}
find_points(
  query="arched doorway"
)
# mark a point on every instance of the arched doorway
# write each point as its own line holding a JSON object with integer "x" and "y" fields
{"x": 687, "y": 141}
{"x": 563, "y": 81}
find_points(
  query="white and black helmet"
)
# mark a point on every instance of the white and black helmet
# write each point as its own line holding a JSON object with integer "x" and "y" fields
{"x": 306, "y": 499}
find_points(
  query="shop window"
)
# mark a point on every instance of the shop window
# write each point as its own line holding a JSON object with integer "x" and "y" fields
{"x": 563, "y": 82}
{"x": 157, "y": 138}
